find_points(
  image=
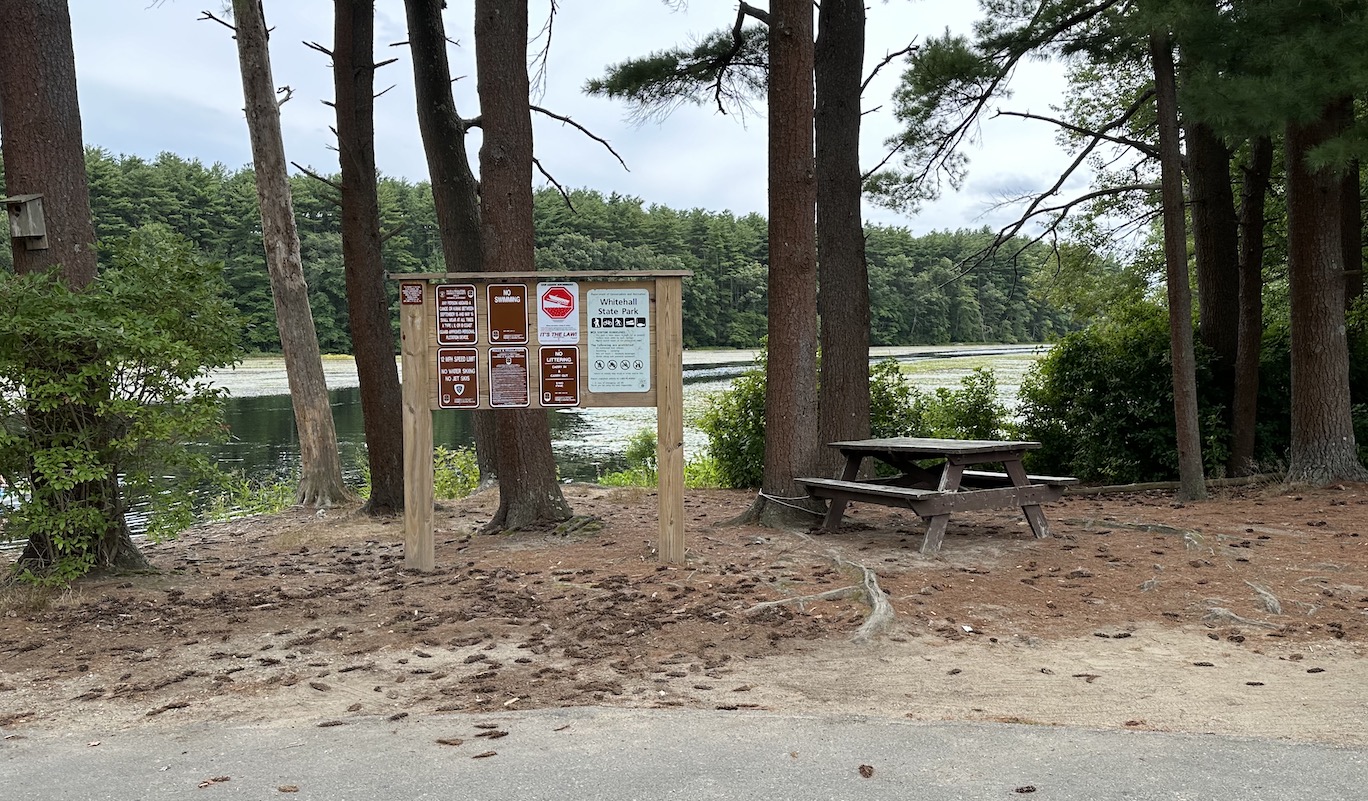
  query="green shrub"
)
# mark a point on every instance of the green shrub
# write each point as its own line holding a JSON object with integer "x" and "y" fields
{"x": 641, "y": 470}
{"x": 734, "y": 419}
{"x": 971, "y": 412}
{"x": 734, "y": 422}
{"x": 100, "y": 392}
{"x": 455, "y": 472}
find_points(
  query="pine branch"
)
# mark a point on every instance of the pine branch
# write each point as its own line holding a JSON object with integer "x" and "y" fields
{"x": 887, "y": 59}
{"x": 584, "y": 131}
{"x": 564, "y": 194}
{"x": 208, "y": 17}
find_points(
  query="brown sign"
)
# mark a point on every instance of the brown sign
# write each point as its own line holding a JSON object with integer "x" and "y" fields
{"x": 411, "y": 293}
{"x": 508, "y": 386}
{"x": 456, "y": 314}
{"x": 507, "y": 314}
{"x": 458, "y": 380}
{"x": 560, "y": 376}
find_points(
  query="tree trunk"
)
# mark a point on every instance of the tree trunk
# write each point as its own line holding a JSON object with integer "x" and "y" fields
{"x": 363, "y": 265}
{"x": 528, "y": 491}
{"x": 1244, "y": 413}
{"x": 1216, "y": 248}
{"x": 320, "y": 464}
{"x": 1351, "y": 222}
{"x": 1190, "y": 479}
{"x": 44, "y": 154}
{"x": 843, "y": 275}
{"x": 791, "y": 375}
{"x": 455, "y": 192}
{"x": 1323, "y": 448}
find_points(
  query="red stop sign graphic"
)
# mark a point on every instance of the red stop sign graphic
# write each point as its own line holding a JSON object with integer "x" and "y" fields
{"x": 558, "y": 303}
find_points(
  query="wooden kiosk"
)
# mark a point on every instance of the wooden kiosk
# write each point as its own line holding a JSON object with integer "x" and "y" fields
{"x": 541, "y": 340}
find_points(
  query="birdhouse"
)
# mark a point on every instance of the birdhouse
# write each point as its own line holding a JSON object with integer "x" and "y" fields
{"x": 26, "y": 220}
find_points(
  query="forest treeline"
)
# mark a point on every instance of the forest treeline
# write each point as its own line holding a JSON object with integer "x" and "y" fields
{"x": 919, "y": 293}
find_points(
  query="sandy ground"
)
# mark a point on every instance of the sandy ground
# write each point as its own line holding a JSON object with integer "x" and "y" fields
{"x": 1244, "y": 614}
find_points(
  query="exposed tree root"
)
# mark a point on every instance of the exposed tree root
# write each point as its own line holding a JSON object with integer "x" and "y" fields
{"x": 1271, "y": 479}
{"x": 802, "y": 600}
{"x": 881, "y": 612}
{"x": 1219, "y": 614}
{"x": 1269, "y": 600}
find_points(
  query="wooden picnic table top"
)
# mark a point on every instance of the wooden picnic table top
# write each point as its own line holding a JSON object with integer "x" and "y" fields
{"x": 933, "y": 446}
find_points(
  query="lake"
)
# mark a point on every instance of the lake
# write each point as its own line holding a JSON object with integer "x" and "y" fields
{"x": 587, "y": 442}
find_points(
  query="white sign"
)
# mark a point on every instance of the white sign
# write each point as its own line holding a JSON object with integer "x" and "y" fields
{"x": 558, "y": 313}
{"x": 619, "y": 340}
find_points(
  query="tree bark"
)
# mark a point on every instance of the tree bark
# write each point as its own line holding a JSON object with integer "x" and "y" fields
{"x": 528, "y": 491}
{"x": 363, "y": 265}
{"x": 1323, "y": 447}
{"x": 1351, "y": 222}
{"x": 1216, "y": 246}
{"x": 44, "y": 154}
{"x": 455, "y": 191}
{"x": 1244, "y": 412}
{"x": 843, "y": 274}
{"x": 791, "y": 376}
{"x": 320, "y": 463}
{"x": 1191, "y": 481}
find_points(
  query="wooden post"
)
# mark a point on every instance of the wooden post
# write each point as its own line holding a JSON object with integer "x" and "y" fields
{"x": 669, "y": 364}
{"x": 418, "y": 543}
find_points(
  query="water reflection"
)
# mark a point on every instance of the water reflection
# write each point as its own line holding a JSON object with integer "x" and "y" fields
{"x": 265, "y": 446}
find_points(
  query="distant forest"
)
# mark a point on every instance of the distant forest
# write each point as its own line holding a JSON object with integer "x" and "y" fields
{"x": 918, "y": 292}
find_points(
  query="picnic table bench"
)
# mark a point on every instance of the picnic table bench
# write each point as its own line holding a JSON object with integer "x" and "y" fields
{"x": 936, "y": 492}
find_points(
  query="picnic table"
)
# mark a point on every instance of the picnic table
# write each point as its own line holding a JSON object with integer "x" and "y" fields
{"x": 950, "y": 485}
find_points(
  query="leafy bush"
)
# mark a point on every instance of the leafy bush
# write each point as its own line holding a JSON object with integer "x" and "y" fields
{"x": 100, "y": 391}
{"x": 734, "y": 419}
{"x": 455, "y": 472}
{"x": 642, "y": 471}
{"x": 971, "y": 412}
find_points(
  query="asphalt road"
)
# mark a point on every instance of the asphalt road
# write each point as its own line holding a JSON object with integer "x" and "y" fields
{"x": 661, "y": 754}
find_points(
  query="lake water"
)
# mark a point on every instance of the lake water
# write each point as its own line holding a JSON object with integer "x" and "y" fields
{"x": 587, "y": 442}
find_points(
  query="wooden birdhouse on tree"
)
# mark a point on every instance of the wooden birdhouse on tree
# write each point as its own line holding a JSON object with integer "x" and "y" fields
{"x": 26, "y": 220}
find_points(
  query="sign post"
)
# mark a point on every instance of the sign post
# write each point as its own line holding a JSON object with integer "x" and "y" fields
{"x": 541, "y": 340}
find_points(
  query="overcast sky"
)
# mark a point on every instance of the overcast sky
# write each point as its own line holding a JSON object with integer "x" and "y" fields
{"x": 153, "y": 78}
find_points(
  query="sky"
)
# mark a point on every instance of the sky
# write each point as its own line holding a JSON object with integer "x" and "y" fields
{"x": 152, "y": 77}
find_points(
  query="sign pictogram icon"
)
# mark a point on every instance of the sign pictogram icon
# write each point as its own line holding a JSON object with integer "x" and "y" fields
{"x": 557, "y": 302}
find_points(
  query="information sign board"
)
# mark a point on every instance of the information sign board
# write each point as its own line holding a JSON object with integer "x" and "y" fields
{"x": 560, "y": 376}
{"x": 456, "y": 314}
{"x": 619, "y": 340}
{"x": 508, "y": 385}
{"x": 558, "y": 313}
{"x": 458, "y": 380}
{"x": 507, "y": 314}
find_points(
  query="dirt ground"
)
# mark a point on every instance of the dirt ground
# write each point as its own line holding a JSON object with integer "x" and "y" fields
{"x": 1243, "y": 614}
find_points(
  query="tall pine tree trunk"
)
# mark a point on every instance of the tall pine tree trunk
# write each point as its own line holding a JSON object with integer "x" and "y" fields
{"x": 363, "y": 265}
{"x": 1189, "y": 444}
{"x": 1323, "y": 447}
{"x": 791, "y": 374}
{"x": 1216, "y": 249}
{"x": 320, "y": 463}
{"x": 1244, "y": 413}
{"x": 843, "y": 274}
{"x": 44, "y": 155}
{"x": 455, "y": 192}
{"x": 528, "y": 490}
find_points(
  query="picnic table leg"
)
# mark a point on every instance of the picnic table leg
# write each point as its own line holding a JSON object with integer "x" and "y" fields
{"x": 935, "y": 532}
{"x": 836, "y": 508}
{"x": 950, "y": 477}
{"x": 1034, "y": 515}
